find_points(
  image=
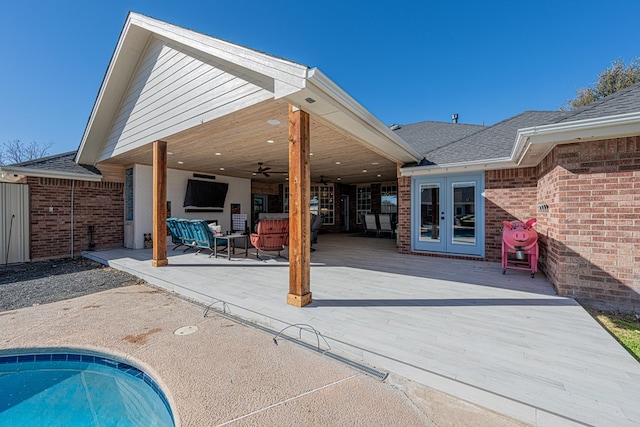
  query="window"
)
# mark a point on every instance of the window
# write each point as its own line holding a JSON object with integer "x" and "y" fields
{"x": 128, "y": 194}
{"x": 322, "y": 199}
{"x": 389, "y": 196}
{"x": 363, "y": 202}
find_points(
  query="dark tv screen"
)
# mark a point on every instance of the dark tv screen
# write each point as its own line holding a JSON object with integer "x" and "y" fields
{"x": 205, "y": 194}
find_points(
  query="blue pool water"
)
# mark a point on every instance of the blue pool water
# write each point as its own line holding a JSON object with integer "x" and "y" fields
{"x": 71, "y": 389}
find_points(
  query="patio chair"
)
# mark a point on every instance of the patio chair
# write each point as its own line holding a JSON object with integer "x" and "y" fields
{"x": 385, "y": 225}
{"x": 370, "y": 223}
{"x": 203, "y": 237}
{"x": 185, "y": 232}
{"x": 176, "y": 237}
{"x": 271, "y": 235}
{"x": 316, "y": 224}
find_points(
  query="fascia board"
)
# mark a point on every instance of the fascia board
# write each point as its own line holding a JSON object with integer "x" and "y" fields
{"x": 601, "y": 127}
{"x": 134, "y": 37}
{"x": 277, "y": 68}
{"x": 47, "y": 174}
{"x": 548, "y": 136}
{"x": 543, "y": 138}
{"x": 346, "y": 113}
{"x": 123, "y": 62}
{"x": 451, "y": 168}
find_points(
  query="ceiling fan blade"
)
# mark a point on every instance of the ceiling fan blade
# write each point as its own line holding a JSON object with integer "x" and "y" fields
{"x": 266, "y": 174}
{"x": 265, "y": 169}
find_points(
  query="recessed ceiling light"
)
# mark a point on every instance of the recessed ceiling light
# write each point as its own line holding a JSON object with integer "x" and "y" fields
{"x": 218, "y": 154}
{"x": 273, "y": 122}
{"x": 379, "y": 175}
{"x": 270, "y": 141}
{"x": 337, "y": 163}
{"x": 375, "y": 163}
{"x": 221, "y": 169}
{"x": 364, "y": 170}
{"x": 311, "y": 154}
{"x": 181, "y": 163}
{"x": 170, "y": 153}
{"x": 339, "y": 179}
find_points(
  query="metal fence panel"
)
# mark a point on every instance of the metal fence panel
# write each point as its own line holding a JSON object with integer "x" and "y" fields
{"x": 14, "y": 223}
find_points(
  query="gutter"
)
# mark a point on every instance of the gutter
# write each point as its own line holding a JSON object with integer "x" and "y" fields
{"x": 567, "y": 132}
{"x": 47, "y": 174}
{"x": 545, "y": 137}
{"x": 451, "y": 168}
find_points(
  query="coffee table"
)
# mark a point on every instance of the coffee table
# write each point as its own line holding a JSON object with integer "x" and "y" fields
{"x": 231, "y": 244}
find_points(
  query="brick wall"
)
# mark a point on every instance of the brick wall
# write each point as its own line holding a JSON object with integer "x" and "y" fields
{"x": 594, "y": 221}
{"x": 510, "y": 194}
{"x": 589, "y": 238}
{"x": 99, "y": 204}
{"x": 404, "y": 214}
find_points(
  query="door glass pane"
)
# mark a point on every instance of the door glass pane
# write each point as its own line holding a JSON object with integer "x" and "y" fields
{"x": 430, "y": 212}
{"x": 464, "y": 209}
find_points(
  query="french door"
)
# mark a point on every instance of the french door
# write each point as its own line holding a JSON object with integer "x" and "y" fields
{"x": 448, "y": 214}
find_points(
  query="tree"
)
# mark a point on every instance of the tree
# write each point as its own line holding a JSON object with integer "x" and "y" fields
{"x": 615, "y": 78}
{"x": 15, "y": 151}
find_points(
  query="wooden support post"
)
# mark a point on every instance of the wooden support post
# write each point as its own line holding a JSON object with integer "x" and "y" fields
{"x": 299, "y": 209}
{"x": 159, "y": 204}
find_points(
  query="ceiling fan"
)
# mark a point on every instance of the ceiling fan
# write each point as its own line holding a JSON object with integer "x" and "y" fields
{"x": 324, "y": 181}
{"x": 263, "y": 170}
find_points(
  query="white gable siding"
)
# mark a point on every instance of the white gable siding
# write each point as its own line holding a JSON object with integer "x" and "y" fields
{"x": 172, "y": 91}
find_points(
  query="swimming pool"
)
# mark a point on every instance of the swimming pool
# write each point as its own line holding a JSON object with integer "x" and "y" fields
{"x": 78, "y": 389}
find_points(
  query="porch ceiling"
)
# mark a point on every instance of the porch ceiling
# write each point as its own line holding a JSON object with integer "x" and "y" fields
{"x": 241, "y": 139}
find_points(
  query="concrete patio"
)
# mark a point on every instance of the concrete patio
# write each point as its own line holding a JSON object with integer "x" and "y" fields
{"x": 505, "y": 342}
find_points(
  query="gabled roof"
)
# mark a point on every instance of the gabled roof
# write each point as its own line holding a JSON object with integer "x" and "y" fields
{"x": 56, "y": 166}
{"x": 272, "y": 77}
{"x": 525, "y": 139}
{"x": 428, "y": 135}
{"x": 624, "y": 101}
{"x": 491, "y": 143}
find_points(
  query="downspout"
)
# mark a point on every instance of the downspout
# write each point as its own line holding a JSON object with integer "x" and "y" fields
{"x": 73, "y": 187}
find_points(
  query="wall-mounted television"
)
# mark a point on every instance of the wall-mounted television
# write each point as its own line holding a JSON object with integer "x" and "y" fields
{"x": 205, "y": 195}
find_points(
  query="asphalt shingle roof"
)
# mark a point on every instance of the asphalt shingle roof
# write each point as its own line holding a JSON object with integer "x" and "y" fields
{"x": 624, "y": 101}
{"x": 480, "y": 143}
{"x": 447, "y": 143}
{"x": 59, "y": 163}
{"x": 429, "y": 135}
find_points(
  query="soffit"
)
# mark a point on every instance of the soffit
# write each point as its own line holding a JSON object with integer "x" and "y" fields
{"x": 241, "y": 139}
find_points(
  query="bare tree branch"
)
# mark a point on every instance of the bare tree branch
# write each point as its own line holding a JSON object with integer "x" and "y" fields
{"x": 16, "y": 152}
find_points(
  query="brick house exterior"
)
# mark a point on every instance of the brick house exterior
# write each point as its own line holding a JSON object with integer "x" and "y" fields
{"x": 582, "y": 166}
{"x": 98, "y": 204}
{"x": 590, "y": 235}
{"x": 66, "y": 198}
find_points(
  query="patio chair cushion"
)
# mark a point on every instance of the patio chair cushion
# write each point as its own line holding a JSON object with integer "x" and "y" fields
{"x": 271, "y": 235}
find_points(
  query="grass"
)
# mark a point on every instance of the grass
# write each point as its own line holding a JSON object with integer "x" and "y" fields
{"x": 624, "y": 327}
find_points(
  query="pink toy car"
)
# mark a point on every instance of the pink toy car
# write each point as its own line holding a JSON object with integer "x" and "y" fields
{"x": 522, "y": 240}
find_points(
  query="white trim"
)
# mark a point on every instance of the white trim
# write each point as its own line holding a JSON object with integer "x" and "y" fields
{"x": 378, "y": 136}
{"x": 47, "y": 174}
{"x": 532, "y": 144}
{"x": 548, "y": 136}
{"x": 286, "y": 79}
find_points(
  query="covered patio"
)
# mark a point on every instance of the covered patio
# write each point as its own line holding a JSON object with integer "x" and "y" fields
{"x": 505, "y": 342}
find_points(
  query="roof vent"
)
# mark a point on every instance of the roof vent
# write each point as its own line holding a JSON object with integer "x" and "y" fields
{"x": 454, "y": 117}
{"x": 394, "y": 127}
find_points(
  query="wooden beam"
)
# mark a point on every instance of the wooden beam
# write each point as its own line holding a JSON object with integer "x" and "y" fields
{"x": 159, "y": 204}
{"x": 299, "y": 209}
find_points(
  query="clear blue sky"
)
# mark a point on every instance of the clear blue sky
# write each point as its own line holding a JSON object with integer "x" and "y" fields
{"x": 405, "y": 61}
